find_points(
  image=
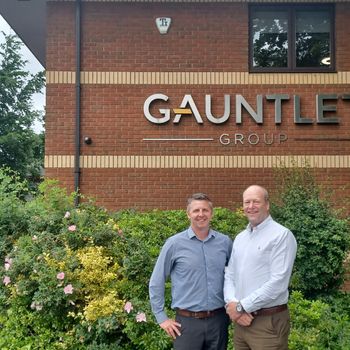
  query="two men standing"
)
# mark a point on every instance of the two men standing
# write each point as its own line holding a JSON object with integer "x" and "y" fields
{"x": 255, "y": 282}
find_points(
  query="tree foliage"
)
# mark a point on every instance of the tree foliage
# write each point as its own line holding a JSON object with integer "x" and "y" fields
{"x": 323, "y": 236}
{"x": 21, "y": 149}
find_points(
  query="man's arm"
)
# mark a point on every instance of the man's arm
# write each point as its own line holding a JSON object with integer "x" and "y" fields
{"x": 229, "y": 285}
{"x": 159, "y": 276}
{"x": 244, "y": 319}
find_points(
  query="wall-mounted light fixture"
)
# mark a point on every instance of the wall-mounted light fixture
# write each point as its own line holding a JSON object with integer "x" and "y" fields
{"x": 163, "y": 24}
{"x": 87, "y": 140}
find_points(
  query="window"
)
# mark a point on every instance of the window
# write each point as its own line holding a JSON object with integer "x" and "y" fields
{"x": 294, "y": 38}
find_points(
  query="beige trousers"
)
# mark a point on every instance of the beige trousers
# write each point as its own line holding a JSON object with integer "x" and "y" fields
{"x": 264, "y": 333}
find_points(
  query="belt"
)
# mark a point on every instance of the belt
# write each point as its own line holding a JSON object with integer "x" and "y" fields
{"x": 270, "y": 310}
{"x": 199, "y": 314}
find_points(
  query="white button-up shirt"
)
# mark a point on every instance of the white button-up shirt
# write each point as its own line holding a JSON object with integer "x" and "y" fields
{"x": 260, "y": 266}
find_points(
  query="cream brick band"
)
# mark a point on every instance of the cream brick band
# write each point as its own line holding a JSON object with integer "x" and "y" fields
{"x": 193, "y": 162}
{"x": 198, "y": 78}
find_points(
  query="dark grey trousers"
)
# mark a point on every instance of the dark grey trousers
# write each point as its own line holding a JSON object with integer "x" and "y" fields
{"x": 203, "y": 334}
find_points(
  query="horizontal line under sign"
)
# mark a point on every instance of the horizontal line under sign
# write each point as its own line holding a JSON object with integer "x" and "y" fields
{"x": 322, "y": 138}
{"x": 176, "y": 139}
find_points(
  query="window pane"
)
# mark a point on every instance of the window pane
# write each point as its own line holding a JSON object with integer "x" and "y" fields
{"x": 313, "y": 39}
{"x": 269, "y": 36}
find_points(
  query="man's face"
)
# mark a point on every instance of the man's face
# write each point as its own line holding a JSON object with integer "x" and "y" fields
{"x": 255, "y": 206}
{"x": 200, "y": 213}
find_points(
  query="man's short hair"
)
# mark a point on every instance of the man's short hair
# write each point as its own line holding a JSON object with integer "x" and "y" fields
{"x": 199, "y": 197}
{"x": 263, "y": 189}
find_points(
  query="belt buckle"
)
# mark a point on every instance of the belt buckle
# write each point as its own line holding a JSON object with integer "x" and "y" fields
{"x": 196, "y": 314}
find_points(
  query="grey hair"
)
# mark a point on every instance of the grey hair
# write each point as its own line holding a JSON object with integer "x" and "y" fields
{"x": 264, "y": 190}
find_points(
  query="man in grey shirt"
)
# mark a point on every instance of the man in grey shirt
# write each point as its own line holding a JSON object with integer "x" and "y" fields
{"x": 195, "y": 261}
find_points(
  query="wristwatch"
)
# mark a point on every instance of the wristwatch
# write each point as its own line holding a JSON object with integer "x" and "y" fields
{"x": 239, "y": 307}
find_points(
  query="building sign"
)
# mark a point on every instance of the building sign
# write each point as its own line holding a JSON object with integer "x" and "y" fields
{"x": 189, "y": 107}
{"x": 324, "y": 103}
{"x": 252, "y": 139}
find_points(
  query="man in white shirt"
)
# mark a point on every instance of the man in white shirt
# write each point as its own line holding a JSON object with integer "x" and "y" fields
{"x": 257, "y": 277}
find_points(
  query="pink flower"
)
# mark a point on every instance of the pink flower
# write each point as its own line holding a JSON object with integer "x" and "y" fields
{"x": 36, "y": 306}
{"x": 72, "y": 228}
{"x": 60, "y": 276}
{"x": 6, "y": 280}
{"x": 128, "y": 307}
{"x": 68, "y": 289}
{"x": 8, "y": 263}
{"x": 67, "y": 215}
{"x": 141, "y": 317}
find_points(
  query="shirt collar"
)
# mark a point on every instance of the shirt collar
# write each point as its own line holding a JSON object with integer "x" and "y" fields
{"x": 191, "y": 234}
{"x": 260, "y": 226}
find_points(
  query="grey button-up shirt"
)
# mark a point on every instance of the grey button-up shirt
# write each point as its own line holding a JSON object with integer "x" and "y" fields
{"x": 196, "y": 269}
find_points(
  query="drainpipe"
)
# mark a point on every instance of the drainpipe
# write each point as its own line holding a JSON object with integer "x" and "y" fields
{"x": 77, "y": 100}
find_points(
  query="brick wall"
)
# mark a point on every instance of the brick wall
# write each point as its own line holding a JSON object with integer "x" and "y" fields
{"x": 203, "y": 37}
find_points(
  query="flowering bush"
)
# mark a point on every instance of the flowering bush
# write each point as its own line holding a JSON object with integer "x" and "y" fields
{"x": 77, "y": 278}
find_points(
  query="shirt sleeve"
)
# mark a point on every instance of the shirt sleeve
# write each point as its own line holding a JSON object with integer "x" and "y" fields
{"x": 229, "y": 285}
{"x": 281, "y": 266}
{"x": 159, "y": 276}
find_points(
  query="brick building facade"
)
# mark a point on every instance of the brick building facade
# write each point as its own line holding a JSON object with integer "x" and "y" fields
{"x": 165, "y": 115}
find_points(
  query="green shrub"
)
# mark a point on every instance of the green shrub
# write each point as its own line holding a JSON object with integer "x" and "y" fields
{"x": 317, "y": 326}
{"x": 12, "y": 212}
{"x": 322, "y": 235}
{"x": 77, "y": 278}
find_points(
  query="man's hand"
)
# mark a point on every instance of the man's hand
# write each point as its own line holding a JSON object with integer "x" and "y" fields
{"x": 232, "y": 312}
{"x": 171, "y": 327}
{"x": 243, "y": 319}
